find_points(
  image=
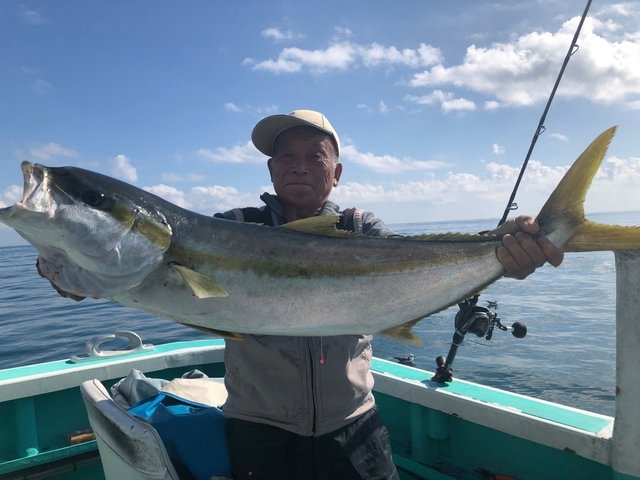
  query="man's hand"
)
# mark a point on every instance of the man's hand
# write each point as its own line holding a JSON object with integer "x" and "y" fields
{"x": 62, "y": 293}
{"x": 521, "y": 253}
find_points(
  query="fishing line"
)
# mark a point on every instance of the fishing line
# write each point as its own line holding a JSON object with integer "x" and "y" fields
{"x": 573, "y": 48}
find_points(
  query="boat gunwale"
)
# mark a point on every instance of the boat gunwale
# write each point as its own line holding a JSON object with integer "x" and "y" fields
{"x": 488, "y": 406}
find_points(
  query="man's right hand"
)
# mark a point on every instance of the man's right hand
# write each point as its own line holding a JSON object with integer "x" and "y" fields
{"x": 62, "y": 293}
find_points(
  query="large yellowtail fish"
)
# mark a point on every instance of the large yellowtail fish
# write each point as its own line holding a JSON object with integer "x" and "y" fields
{"x": 102, "y": 238}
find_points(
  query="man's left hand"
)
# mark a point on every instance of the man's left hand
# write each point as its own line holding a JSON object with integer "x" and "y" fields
{"x": 521, "y": 253}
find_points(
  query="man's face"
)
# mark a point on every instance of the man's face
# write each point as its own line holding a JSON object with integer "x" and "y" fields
{"x": 304, "y": 168}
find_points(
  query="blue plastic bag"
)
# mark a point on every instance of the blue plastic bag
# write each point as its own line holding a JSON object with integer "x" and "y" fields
{"x": 193, "y": 433}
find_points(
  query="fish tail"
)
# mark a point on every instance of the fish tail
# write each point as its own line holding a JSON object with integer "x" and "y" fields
{"x": 591, "y": 236}
{"x": 562, "y": 217}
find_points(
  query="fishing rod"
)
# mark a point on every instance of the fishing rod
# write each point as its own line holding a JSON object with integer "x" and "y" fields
{"x": 481, "y": 320}
{"x": 573, "y": 48}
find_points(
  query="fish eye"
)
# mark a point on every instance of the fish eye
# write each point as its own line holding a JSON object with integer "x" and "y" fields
{"x": 94, "y": 198}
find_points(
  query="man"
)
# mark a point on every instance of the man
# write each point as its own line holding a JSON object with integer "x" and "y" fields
{"x": 302, "y": 407}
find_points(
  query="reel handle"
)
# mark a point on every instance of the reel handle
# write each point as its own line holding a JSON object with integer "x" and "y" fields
{"x": 518, "y": 330}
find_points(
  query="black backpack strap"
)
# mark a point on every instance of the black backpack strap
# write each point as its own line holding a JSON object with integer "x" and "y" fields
{"x": 249, "y": 215}
{"x": 257, "y": 215}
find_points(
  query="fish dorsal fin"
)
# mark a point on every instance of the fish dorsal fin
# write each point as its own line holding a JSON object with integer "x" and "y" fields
{"x": 320, "y": 225}
{"x": 219, "y": 333}
{"x": 454, "y": 237}
{"x": 201, "y": 285}
{"x": 403, "y": 333}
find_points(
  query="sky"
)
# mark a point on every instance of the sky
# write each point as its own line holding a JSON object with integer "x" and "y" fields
{"x": 435, "y": 102}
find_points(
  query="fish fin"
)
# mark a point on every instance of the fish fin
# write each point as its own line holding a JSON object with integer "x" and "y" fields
{"x": 568, "y": 197}
{"x": 201, "y": 285}
{"x": 453, "y": 237}
{"x": 403, "y": 333}
{"x": 319, "y": 225}
{"x": 592, "y": 236}
{"x": 562, "y": 216}
{"x": 219, "y": 333}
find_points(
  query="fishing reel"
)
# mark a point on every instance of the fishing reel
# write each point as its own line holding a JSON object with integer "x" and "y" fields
{"x": 481, "y": 321}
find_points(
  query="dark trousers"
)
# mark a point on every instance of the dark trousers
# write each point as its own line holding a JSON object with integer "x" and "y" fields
{"x": 360, "y": 450}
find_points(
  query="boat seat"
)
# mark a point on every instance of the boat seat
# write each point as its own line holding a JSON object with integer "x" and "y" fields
{"x": 130, "y": 449}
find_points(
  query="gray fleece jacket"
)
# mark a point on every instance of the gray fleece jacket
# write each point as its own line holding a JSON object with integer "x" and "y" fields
{"x": 306, "y": 385}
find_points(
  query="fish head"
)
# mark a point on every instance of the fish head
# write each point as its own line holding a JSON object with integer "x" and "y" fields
{"x": 96, "y": 236}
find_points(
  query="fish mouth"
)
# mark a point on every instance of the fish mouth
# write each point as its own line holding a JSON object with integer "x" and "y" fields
{"x": 36, "y": 193}
{"x": 34, "y": 176}
{"x": 36, "y": 200}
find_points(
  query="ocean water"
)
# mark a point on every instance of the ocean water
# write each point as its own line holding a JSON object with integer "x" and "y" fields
{"x": 568, "y": 355}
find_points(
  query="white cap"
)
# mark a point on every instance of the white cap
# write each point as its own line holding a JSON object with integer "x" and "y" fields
{"x": 266, "y": 131}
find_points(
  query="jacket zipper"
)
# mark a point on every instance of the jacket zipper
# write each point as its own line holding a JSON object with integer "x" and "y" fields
{"x": 313, "y": 385}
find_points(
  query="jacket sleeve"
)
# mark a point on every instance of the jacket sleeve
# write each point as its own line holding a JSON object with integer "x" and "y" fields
{"x": 228, "y": 215}
{"x": 374, "y": 227}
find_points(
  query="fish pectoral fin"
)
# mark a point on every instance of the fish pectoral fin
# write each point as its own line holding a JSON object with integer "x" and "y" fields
{"x": 201, "y": 285}
{"x": 218, "y": 333}
{"x": 403, "y": 333}
{"x": 320, "y": 225}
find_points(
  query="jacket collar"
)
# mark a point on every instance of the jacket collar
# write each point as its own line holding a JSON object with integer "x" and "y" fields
{"x": 273, "y": 202}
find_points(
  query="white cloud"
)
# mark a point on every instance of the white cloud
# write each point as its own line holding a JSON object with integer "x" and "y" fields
{"x": 603, "y": 69}
{"x": 293, "y": 59}
{"x": 491, "y": 105}
{"x": 122, "y": 168}
{"x": 171, "y": 194}
{"x": 32, "y": 16}
{"x": 238, "y": 154}
{"x": 502, "y": 173}
{"x": 498, "y": 149}
{"x": 559, "y": 136}
{"x": 427, "y": 191}
{"x": 217, "y": 198}
{"x": 52, "y": 150}
{"x": 460, "y": 195}
{"x": 232, "y": 107}
{"x": 376, "y": 54}
{"x": 615, "y": 186}
{"x": 537, "y": 175}
{"x": 618, "y": 170}
{"x": 341, "y": 33}
{"x": 344, "y": 54}
{"x": 278, "y": 35}
{"x": 388, "y": 163}
{"x": 181, "y": 177}
{"x": 447, "y": 101}
{"x": 354, "y": 193}
{"x": 11, "y": 195}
